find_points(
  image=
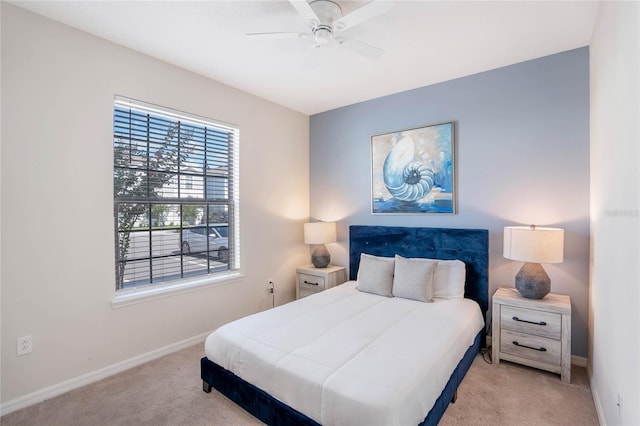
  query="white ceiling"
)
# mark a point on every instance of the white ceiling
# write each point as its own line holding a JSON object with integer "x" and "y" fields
{"x": 425, "y": 42}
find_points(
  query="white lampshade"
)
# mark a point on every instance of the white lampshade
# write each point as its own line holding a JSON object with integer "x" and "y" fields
{"x": 320, "y": 233}
{"x": 533, "y": 244}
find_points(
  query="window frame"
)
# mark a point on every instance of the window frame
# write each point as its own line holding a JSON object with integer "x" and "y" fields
{"x": 195, "y": 278}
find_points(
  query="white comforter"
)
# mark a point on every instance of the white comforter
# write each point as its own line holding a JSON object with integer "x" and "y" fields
{"x": 344, "y": 357}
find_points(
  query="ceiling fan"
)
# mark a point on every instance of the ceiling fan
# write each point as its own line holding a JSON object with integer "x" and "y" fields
{"x": 326, "y": 22}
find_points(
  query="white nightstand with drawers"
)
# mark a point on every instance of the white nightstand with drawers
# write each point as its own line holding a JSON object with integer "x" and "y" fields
{"x": 533, "y": 332}
{"x": 310, "y": 280}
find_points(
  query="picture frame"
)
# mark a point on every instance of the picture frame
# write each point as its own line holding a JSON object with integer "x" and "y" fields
{"x": 413, "y": 171}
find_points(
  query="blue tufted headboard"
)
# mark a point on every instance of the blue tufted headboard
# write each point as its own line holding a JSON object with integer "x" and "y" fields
{"x": 468, "y": 245}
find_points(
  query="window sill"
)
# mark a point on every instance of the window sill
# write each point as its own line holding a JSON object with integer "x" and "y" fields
{"x": 144, "y": 294}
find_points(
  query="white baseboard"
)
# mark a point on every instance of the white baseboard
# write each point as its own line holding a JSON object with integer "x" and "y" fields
{"x": 93, "y": 376}
{"x": 580, "y": 361}
{"x": 596, "y": 402}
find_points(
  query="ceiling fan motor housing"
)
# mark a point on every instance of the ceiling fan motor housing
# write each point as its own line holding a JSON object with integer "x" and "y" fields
{"x": 328, "y": 12}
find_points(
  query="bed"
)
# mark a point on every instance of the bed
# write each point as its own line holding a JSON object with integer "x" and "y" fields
{"x": 308, "y": 363}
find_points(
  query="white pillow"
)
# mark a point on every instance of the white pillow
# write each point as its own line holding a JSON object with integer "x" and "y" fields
{"x": 375, "y": 274}
{"x": 413, "y": 278}
{"x": 448, "y": 279}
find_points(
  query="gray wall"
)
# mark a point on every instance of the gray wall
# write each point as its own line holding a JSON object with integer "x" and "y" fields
{"x": 522, "y": 157}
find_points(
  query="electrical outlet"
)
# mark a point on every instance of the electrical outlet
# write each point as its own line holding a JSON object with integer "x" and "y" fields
{"x": 271, "y": 286}
{"x": 24, "y": 345}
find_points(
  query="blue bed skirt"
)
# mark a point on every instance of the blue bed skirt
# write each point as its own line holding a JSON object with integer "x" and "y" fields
{"x": 273, "y": 412}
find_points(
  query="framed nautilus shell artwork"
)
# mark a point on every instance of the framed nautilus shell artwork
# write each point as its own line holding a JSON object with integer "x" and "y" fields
{"x": 413, "y": 171}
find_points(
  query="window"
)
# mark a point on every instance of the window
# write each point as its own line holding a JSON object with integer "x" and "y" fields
{"x": 175, "y": 195}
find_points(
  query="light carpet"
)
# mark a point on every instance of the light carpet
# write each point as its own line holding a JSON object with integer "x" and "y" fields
{"x": 168, "y": 391}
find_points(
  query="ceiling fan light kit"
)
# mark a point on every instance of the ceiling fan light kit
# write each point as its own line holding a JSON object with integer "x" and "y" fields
{"x": 324, "y": 18}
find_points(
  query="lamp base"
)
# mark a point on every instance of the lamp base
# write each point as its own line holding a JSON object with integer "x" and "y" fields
{"x": 320, "y": 256}
{"x": 532, "y": 281}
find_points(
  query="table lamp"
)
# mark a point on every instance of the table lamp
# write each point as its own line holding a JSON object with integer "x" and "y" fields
{"x": 320, "y": 233}
{"x": 533, "y": 245}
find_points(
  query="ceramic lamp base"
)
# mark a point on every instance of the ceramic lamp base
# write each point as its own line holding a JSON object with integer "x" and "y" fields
{"x": 532, "y": 281}
{"x": 320, "y": 256}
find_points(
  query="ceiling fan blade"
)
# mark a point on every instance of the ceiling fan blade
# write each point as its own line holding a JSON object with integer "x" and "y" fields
{"x": 278, "y": 35}
{"x": 366, "y": 12}
{"x": 361, "y": 48}
{"x": 303, "y": 8}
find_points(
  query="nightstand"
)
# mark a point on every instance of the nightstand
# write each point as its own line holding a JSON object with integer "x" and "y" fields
{"x": 311, "y": 280}
{"x": 533, "y": 332}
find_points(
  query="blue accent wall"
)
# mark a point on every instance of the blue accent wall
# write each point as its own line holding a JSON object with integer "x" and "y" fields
{"x": 521, "y": 157}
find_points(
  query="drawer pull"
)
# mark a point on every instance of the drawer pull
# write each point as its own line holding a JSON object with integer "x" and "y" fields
{"x": 309, "y": 282}
{"x": 530, "y": 347}
{"x": 529, "y": 322}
